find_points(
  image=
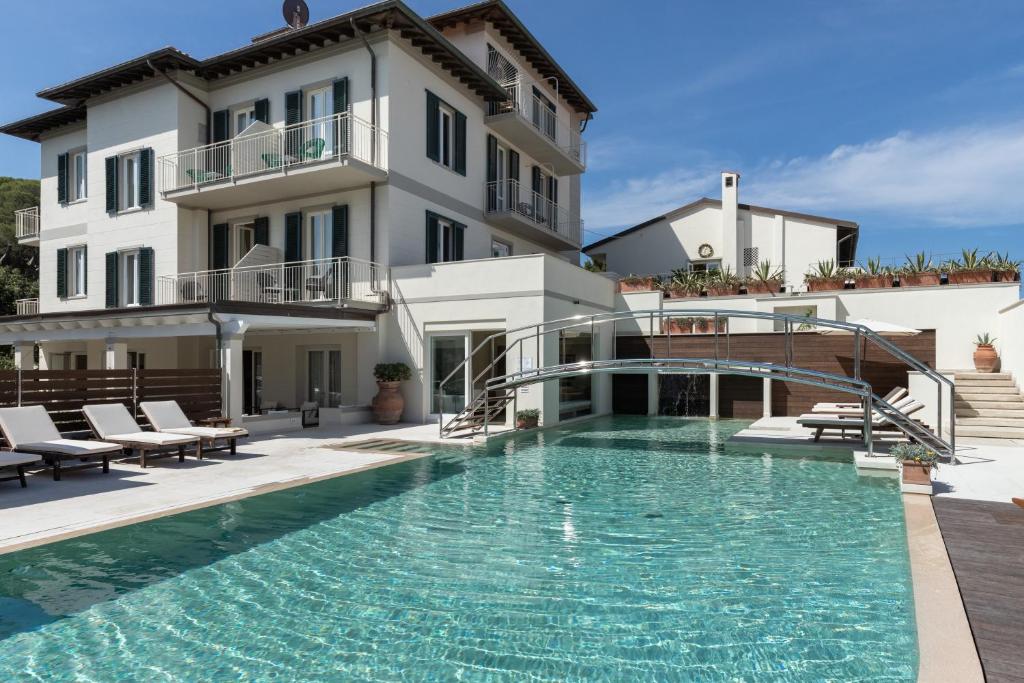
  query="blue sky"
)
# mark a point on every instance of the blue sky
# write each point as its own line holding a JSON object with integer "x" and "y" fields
{"x": 904, "y": 115}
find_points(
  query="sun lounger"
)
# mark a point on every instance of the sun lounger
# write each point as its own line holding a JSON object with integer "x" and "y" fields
{"x": 113, "y": 422}
{"x": 17, "y": 461}
{"x": 879, "y": 422}
{"x": 30, "y": 430}
{"x": 858, "y": 410}
{"x": 167, "y": 416}
{"x": 831, "y": 408}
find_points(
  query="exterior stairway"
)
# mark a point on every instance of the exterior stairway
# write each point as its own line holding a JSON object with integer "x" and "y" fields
{"x": 988, "y": 406}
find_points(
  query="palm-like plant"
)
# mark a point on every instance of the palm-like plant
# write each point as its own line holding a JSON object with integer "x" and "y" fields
{"x": 874, "y": 266}
{"x": 765, "y": 272}
{"x": 919, "y": 263}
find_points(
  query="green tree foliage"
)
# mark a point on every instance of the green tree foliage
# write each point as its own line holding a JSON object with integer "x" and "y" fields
{"x": 19, "y": 265}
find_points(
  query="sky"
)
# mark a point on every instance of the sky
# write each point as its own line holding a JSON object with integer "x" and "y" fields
{"x": 906, "y": 116}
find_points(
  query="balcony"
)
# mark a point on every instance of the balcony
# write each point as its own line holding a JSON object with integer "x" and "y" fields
{"x": 531, "y": 215}
{"x": 26, "y": 306}
{"x": 265, "y": 164}
{"x": 26, "y": 226}
{"x": 527, "y": 122}
{"x": 327, "y": 282}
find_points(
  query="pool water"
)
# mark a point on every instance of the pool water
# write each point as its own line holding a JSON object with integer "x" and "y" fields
{"x": 620, "y": 549}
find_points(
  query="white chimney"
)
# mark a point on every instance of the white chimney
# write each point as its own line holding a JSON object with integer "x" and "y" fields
{"x": 731, "y": 243}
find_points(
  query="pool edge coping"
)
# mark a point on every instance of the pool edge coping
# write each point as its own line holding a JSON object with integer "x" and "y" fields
{"x": 945, "y": 643}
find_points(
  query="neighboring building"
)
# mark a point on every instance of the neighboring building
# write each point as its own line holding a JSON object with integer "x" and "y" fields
{"x": 308, "y": 205}
{"x": 712, "y": 233}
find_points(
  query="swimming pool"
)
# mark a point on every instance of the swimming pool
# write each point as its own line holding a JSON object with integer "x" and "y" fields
{"x": 619, "y": 549}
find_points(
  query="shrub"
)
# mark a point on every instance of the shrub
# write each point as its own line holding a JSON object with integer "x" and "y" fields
{"x": 392, "y": 372}
{"x": 916, "y": 453}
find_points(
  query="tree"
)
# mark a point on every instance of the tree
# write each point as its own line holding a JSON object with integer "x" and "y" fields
{"x": 15, "y": 194}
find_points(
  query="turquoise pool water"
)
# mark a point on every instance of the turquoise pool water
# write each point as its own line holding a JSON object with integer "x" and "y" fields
{"x": 620, "y": 550}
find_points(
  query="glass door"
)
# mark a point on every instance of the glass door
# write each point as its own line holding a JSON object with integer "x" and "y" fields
{"x": 446, "y": 354}
{"x": 501, "y": 178}
{"x": 323, "y": 378}
{"x": 252, "y": 372}
{"x": 321, "y": 134}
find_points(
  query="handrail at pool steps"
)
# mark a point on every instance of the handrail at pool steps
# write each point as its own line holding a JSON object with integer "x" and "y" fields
{"x": 479, "y": 409}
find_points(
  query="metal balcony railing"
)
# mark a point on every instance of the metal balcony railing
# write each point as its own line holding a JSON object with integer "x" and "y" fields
{"x": 333, "y": 280}
{"x": 510, "y": 197}
{"x": 26, "y": 306}
{"x": 26, "y": 223}
{"x": 275, "y": 150}
{"x": 523, "y": 101}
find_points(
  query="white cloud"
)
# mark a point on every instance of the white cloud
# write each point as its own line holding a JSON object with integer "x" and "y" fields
{"x": 970, "y": 176}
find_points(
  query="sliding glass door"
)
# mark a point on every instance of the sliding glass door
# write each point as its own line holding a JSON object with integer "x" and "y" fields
{"x": 323, "y": 378}
{"x": 446, "y": 354}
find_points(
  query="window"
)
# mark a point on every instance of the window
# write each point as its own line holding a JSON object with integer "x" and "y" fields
{"x": 136, "y": 360}
{"x": 78, "y": 170}
{"x": 447, "y": 354}
{"x": 129, "y": 279}
{"x": 445, "y": 244}
{"x": 75, "y": 265}
{"x": 750, "y": 256}
{"x": 705, "y": 266}
{"x": 445, "y": 136}
{"x": 68, "y": 361}
{"x": 543, "y": 114}
{"x": 319, "y": 105}
{"x": 319, "y": 236}
{"x": 130, "y": 182}
{"x": 244, "y": 239}
{"x": 244, "y": 118}
{"x": 500, "y": 249}
{"x": 323, "y": 378}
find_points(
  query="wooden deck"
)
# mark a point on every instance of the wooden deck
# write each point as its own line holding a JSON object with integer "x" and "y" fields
{"x": 985, "y": 542}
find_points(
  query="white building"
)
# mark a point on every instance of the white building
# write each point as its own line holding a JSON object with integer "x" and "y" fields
{"x": 713, "y": 233}
{"x": 370, "y": 188}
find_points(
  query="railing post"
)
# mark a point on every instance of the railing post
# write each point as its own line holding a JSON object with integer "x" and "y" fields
{"x": 651, "y": 335}
{"x": 19, "y": 386}
{"x": 715, "y": 323}
{"x": 856, "y": 353}
{"x": 868, "y": 438}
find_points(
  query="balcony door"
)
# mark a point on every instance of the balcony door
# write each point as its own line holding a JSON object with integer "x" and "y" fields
{"x": 320, "y": 105}
{"x": 243, "y": 240}
{"x": 446, "y": 354}
{"x": 501, "y": 186}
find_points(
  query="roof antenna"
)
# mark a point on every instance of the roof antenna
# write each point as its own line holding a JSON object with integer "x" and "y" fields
{"x": 296, "y": 13}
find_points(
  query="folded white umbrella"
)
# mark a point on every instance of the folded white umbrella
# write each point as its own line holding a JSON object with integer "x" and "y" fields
{"x": 879, "y": 326}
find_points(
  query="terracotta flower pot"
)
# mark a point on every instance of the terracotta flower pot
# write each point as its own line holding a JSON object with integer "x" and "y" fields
{"x": 678, "y": 327}
{"x": 1007, "y": 276}
{"x": 723, "y": 290}
{"x": 825, "y": 285}
{"x": 527, "y": 423}
{"x": 641, "y": 285}
{"x": 678, "y": 293}
{"x": 873, "y": 281}
{"x": 985, "y": 358}
{"x": 919, "y": 279}
{"x": 917, "y": 473}
{"x": 388, "y": 404}
{"x": 969, "y": 277}
{"x": 769, "y": 287}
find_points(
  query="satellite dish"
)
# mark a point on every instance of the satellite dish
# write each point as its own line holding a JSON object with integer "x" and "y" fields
{"x": 296, "y": 13}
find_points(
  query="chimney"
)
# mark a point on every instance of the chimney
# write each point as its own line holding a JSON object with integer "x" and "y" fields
{"x": 731, "y": 239}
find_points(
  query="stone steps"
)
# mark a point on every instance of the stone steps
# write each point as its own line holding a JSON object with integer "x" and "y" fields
{"x": 960, "y": 376}
{"x": 990, "y": 421}
{"x": 988, "y": 406}
{"x": 964, "y": 383}
{"x": 1010, "y": 410}
{"x": 990, "y": 432}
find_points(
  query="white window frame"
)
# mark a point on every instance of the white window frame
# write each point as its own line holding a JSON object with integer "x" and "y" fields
{"x": 495, "y": 242}
{"x": 128, "y": 298}
{"x": 78, "y": 179}
{"x": 325, "y": 229}
{"x": 446, "y": 135}
{"x": 467, "y": 340}
{"x": 325, "y": 128}
{"x": 249, "y": 112}
{"x": 136, "y": 360}
{"x": 75, "y": 273}
{"x": 130, "y": 200}
{"x": 445, "y": 240}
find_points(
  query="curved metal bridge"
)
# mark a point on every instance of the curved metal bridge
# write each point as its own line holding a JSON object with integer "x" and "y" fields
{"x": 500, "y": 387}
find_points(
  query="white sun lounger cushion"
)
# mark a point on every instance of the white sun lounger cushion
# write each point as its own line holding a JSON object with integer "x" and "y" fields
{"x": 167, "y": 416}
{"x": 30, "y": 429}
{"x": 895, "y": 395}
{"x": 15, "y": 459}
{"x": 209, "y": 432}
{"x": 113, "y": 421}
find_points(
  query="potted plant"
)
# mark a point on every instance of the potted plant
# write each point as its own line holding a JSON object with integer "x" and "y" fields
{"x": 874, "y": 275}
{"x": 765, "y": 279}
{"x": 527, "y": 418}
{"x": 595, "y": 266}
{"x": 826, "y": 276}
{"x": 919, "y": 272}
{"x": 638, "y": 283}
{"x": 970, "y": 269}
{"x": 389, "y": 403}
{"x": 917, "y": 462}
{"x": 985, "y": 357}
{"x": 722, "y": 282}
{"x": 680, "y": 326}
{"x": 683, "y": 283}
{"x": 702, "y": 325}
{"x": 1006, "y": 269}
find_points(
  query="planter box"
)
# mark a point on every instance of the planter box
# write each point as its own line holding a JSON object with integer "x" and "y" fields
{"x": 873, "y": 281}
{"x": 645, "y": 285}
{"x": 678, "y": 327}
{"x": 677, "y": 293}
{"x": 919, "y": 280}
{"x": 916, "y": 473}
{"x": 969, "y": 277}
{"x": 723, "y": 291}
{"x": 825, "y": 285}
{"x": 769, "y": 287}
{"x": 707, "y": 326}
{"x": 1007, "y": 276}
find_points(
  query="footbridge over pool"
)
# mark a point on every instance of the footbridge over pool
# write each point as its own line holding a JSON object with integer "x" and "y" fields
{"x": 511, "y": 355}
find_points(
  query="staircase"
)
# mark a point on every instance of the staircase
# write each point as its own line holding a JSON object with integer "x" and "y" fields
{"x": 485, "y": 408}
{"x": 988, "y": 405}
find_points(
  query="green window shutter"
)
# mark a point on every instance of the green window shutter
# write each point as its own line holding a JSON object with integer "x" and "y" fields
{"x": 111, "y": 170}
{"x": 146, "y": 276}
{"x": 263, "y": 110}
{"x": 62, "y": 273}
{"x": 221, "y": 125}
{"x": 433, "y": 124}
{"x": 460, "y": 240}
{"x": 293, "y": 107}
{"x": 341, "y": 95}
{"x": 111, "y": 268}
{"x": 432, "y": 227}
{"x": 339, "y": 231}
{"x": 492, "y": 158}
{"x": 293, "y": 237}
{"x": 460, "y": 143}
{"x": 62, "y": 178}
{"x": 513, "y": 165}
{"x": 85, "y": 264}
{"x": 219, "y": 247}
{"x": 261, "y": 228}
{"x": 146, "y": 178}
{"x": 536, "y": 180}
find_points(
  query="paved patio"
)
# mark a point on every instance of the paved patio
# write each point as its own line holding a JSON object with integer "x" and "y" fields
{"x": 88, "y": 501}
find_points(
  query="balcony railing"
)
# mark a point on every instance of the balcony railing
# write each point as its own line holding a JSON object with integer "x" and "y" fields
{"x": 509, "y": 197}
{"x": 26, "y": 223}
{"x": 275, "y": 150}
{"x": 523, "y": 101}
{"x": 321, "y": 281}
{"x": 26, "y": 306}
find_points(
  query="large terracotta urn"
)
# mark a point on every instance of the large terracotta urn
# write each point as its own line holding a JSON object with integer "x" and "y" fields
{"x": 985, "y": 358}
{"x": 389, "y": 403}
